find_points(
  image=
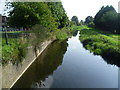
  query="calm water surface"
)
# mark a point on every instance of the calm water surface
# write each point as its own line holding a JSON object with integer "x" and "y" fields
{"x": 67, "y": 64}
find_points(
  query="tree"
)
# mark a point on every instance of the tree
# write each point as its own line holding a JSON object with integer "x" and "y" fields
{"x": 89, "y": 19}
{"x": 110, "y": 21}
{"x": 82, "y": 22}
{"x": 27, "y": 14}
{"x": 59, "y": 14}
{"x": 106, "y": 19}
{"x": 75, "y": 20}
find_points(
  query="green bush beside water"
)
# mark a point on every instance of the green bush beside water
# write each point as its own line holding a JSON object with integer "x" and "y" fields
{"x": 15, "y": 50}
{"x": 100, "y": 44}
{"x": 64, "y": 33}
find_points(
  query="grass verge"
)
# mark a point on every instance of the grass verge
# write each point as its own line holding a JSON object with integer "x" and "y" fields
{"x": 14, "y": 51}
{"x": 100, "y": 44}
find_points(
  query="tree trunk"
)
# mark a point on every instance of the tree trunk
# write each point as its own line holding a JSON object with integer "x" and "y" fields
{"x": 6, "y": 37}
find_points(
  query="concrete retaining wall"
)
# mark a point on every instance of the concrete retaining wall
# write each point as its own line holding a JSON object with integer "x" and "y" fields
{"x": 11, "y": 73}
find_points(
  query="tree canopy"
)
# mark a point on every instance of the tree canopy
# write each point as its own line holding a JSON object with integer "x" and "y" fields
{"x": 107, "y": 19}
{"x": 59, "y": 14}
{"x": 26, "y": 14}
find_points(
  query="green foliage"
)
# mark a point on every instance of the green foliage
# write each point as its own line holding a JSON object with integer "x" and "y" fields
{"x": 100, "y": 44}
{"x": 63, "y": 33}
{"x": 107, "y": 19}
{"x": 59, "y": 14}
{"x": 14, "y": 51}
{"x": 39, "y": 34}
{"x": 28, "y": 14}
{"x": 79, "y": 27}
{"x": 89, "y": 21}
{"x": 43, "y": 20}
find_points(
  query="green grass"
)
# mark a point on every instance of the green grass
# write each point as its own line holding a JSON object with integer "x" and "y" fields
{"x": 61, "y": 36}
{"x": 80, "y": 27}
{"x": 115, "y": 36}
{"x": 12, "y": 32}
{"x": 63, "y": 33}
{"x": 15, "y": 50}
{"x": 100, "y": 44}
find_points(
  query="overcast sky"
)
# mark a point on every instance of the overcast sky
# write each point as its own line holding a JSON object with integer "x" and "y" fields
{"x": 84, "y": 8}
{"x": 81, "y": 8}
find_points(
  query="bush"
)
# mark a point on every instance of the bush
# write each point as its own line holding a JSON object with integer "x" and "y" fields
{"x": 14, "y": 51}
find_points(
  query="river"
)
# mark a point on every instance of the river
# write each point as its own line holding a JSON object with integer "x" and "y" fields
{"x": 67, "y": 64}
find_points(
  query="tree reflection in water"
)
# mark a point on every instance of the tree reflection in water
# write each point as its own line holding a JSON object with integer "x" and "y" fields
{"x": 44, "y": 66}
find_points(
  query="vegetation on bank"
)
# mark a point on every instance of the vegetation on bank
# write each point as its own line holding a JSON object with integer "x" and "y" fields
{"x": 14, "y": 51}
{"x": 45, "y": 20}
{"x": 41, "y": 20}
{"x": 106, "y": 19}
{"x": 79, "y": 27}
{"x": 17, "y": 45}
{"x": 115, "y": 36}
{"x": 100, "y": 44}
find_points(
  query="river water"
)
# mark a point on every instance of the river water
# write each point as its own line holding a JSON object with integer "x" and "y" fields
{"x": 67, "y": 64}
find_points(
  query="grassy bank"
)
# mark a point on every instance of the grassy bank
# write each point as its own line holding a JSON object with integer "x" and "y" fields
{"x": 64, "y": 33}
{"x": 14, "y": 51}
{"x": 19, "y": 41}
{"x": 100, "y": 44}
{"x": 79, "y": 27}
{"x": 115, "y": 36}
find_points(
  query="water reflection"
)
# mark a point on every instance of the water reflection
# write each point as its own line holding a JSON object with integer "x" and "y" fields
{"x": 46, "y": 63}
{"x": 75, "y": 32}
{"x": 111, "y": 61}
{"x": 79, "y": 69}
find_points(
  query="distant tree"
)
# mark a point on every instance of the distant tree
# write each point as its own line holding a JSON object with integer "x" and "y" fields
{"x": 89, "y": 19}
{"x": 75, "y": 20}
{"x": 106, "y": 19}
{"x": 82, "y": 22}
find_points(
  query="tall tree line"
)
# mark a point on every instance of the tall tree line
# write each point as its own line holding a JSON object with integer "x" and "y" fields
{"x": 107, "y": 19}
{"x": 27, "y": 14}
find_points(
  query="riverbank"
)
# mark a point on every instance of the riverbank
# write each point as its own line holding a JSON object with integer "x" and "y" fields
{"x": 18, "y": 42}
{"x": 34, "y": 44}
{"x": 100, "y": 44}
{"x": 66, "y": 64}
{"x": 11, "y": 73}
